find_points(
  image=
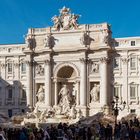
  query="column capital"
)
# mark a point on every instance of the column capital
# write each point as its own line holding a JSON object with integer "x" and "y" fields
{"x": 55, "y": 80}
{"x": 16, "y": 64}
{"x": 124, "y": 60}
{"x": 84, "y": 60}
{"x": 47, "y": 62}
{"x": 104, "y": 60}
{"x": 77, "y": 81}
{"x": 34, "y": 63}
{"x": 2, "y": 65}
{"x": 28, "y": 62}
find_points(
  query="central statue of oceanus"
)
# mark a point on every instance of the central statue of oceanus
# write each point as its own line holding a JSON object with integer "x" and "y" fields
{"x": 66, "y": 20}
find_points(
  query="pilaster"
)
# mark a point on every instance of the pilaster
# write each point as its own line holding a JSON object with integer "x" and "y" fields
{"x": 77, "y": 93}
{"x": 104, "y": 81}
{"x": 55, "y": 94}
{"x": 16, "y": 92}
{"x": 3, "y": 68}
{"x": 83, "y": 82}
{"x": 16, "y": 68}
{"x": 126, "y": 96}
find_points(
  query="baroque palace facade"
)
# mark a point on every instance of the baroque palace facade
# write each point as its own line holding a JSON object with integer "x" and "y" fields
{"x": 70, "y": 65}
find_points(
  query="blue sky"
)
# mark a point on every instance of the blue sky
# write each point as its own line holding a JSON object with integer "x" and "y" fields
{"x": 16, "y": 16}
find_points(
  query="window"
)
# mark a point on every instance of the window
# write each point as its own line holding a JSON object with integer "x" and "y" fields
{"x": 23, "y": 67}
{"x": 116, "y": 91}
{"x": 10, "y": 112}
{"x": 9, "y": 67}
{"x": 132, "y": 111}
{"x": 10, "y": 94}
{"x": 23, "y": 94}
{"x": 22, "y": 110}
{"x": 133, "y": 63}
{"x": 133, "y": 90}
{"x": 133, "y": 43}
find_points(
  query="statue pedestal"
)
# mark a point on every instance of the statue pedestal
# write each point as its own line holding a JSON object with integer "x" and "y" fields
{"x": 43, "y": 114}
{"x": 60, "y": 116}
{"x": 54, "y": 120}
{"x": 95, "y": 107}
{"x": 83, "y": 109}
{"x": 58, "y": 119}
{"x": 30, "y": 122}
{"x": 42, "y": 106}
{"x": 106, "y": 109}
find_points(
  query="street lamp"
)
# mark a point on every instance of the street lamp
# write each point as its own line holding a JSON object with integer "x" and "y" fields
{"x": 116, "y": 108}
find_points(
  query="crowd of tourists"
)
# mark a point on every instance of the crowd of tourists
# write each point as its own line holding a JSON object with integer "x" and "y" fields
{"x": 125, "y": 130}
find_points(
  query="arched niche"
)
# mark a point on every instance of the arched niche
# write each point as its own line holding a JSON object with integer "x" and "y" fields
{"x": 66, "y": 72}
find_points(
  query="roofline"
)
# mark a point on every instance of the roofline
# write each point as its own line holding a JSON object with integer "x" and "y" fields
{"x": 136, "y": 37}
{"x": 10, "y": 45}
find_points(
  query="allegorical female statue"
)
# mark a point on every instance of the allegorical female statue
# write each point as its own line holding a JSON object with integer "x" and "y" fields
{"x": 95, "y": 93}
{"x": 41, "y": 94}
{"x": 64, "y": 98}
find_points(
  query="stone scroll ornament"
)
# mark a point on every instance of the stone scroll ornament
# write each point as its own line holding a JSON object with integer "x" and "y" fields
{"x": 66, "y": 20}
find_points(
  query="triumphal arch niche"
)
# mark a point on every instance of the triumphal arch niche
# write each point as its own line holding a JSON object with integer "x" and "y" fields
{"x": 66, "y": 86}
{"x": 68, "y": 67}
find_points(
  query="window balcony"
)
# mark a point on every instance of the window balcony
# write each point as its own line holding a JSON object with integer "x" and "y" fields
{"x": 22, "y": 101}
{"x": 10, "y": 101}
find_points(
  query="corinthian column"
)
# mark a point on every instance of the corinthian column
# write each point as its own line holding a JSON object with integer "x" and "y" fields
{"x": 83, "y": 83}
{"x": 47, "y": 83}
{"x": 103, "y": 81}
{"x": 56, "y": 94}
{"x": 77, "y": 93}
{"x": 29, "y": 86}
{"x": 16, "y": 70}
